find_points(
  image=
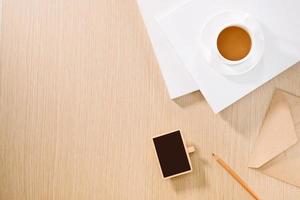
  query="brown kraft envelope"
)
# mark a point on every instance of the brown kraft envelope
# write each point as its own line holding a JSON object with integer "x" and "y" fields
{"x": 277, "y": 148}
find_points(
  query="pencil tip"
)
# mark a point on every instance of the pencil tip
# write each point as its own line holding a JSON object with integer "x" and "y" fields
{"x": 213, "y": 154}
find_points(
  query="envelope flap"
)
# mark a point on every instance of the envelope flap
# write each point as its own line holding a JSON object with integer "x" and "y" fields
{"x": 294, "y": 104}
{"x": 277, "y": 133}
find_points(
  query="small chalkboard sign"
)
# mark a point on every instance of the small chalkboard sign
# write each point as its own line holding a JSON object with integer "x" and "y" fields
{"x": 172, "y": 154}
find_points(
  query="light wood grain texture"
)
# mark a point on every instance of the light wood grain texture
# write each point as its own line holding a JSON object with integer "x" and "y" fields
{"x": 81, "y": 96}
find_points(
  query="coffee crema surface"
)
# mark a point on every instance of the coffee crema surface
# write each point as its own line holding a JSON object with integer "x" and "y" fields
{"x": 234, "y": 43}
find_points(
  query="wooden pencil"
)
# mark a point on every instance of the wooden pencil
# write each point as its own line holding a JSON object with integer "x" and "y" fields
{"x": 235, "y": 176}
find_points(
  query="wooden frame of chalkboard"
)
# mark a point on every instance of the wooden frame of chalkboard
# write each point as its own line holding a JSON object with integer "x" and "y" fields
{"x": 164, "y": 144}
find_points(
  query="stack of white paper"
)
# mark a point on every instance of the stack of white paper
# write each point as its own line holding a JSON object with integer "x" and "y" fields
{"x": 175, "y": 28}
{"x": 179, "y": 82}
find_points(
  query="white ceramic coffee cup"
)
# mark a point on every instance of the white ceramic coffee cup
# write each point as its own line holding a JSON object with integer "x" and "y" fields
{"x": 209, "y": 36}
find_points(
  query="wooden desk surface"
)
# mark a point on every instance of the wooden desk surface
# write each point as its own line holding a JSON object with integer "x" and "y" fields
{"x": 82, "y": 95}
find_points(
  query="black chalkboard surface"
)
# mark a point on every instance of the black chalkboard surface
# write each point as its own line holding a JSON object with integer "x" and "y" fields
{"x": 172, "y": 155}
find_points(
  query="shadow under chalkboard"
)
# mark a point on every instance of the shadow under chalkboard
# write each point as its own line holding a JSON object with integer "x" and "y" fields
{"x": 194, "y": 180}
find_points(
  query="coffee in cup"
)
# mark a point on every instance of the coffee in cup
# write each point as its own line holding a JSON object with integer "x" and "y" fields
{"x": 234, "y": 43}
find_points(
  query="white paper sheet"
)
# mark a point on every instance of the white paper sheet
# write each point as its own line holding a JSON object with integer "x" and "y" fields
{"x": 178, "y": 81}
{"x": 281, "y": 27}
